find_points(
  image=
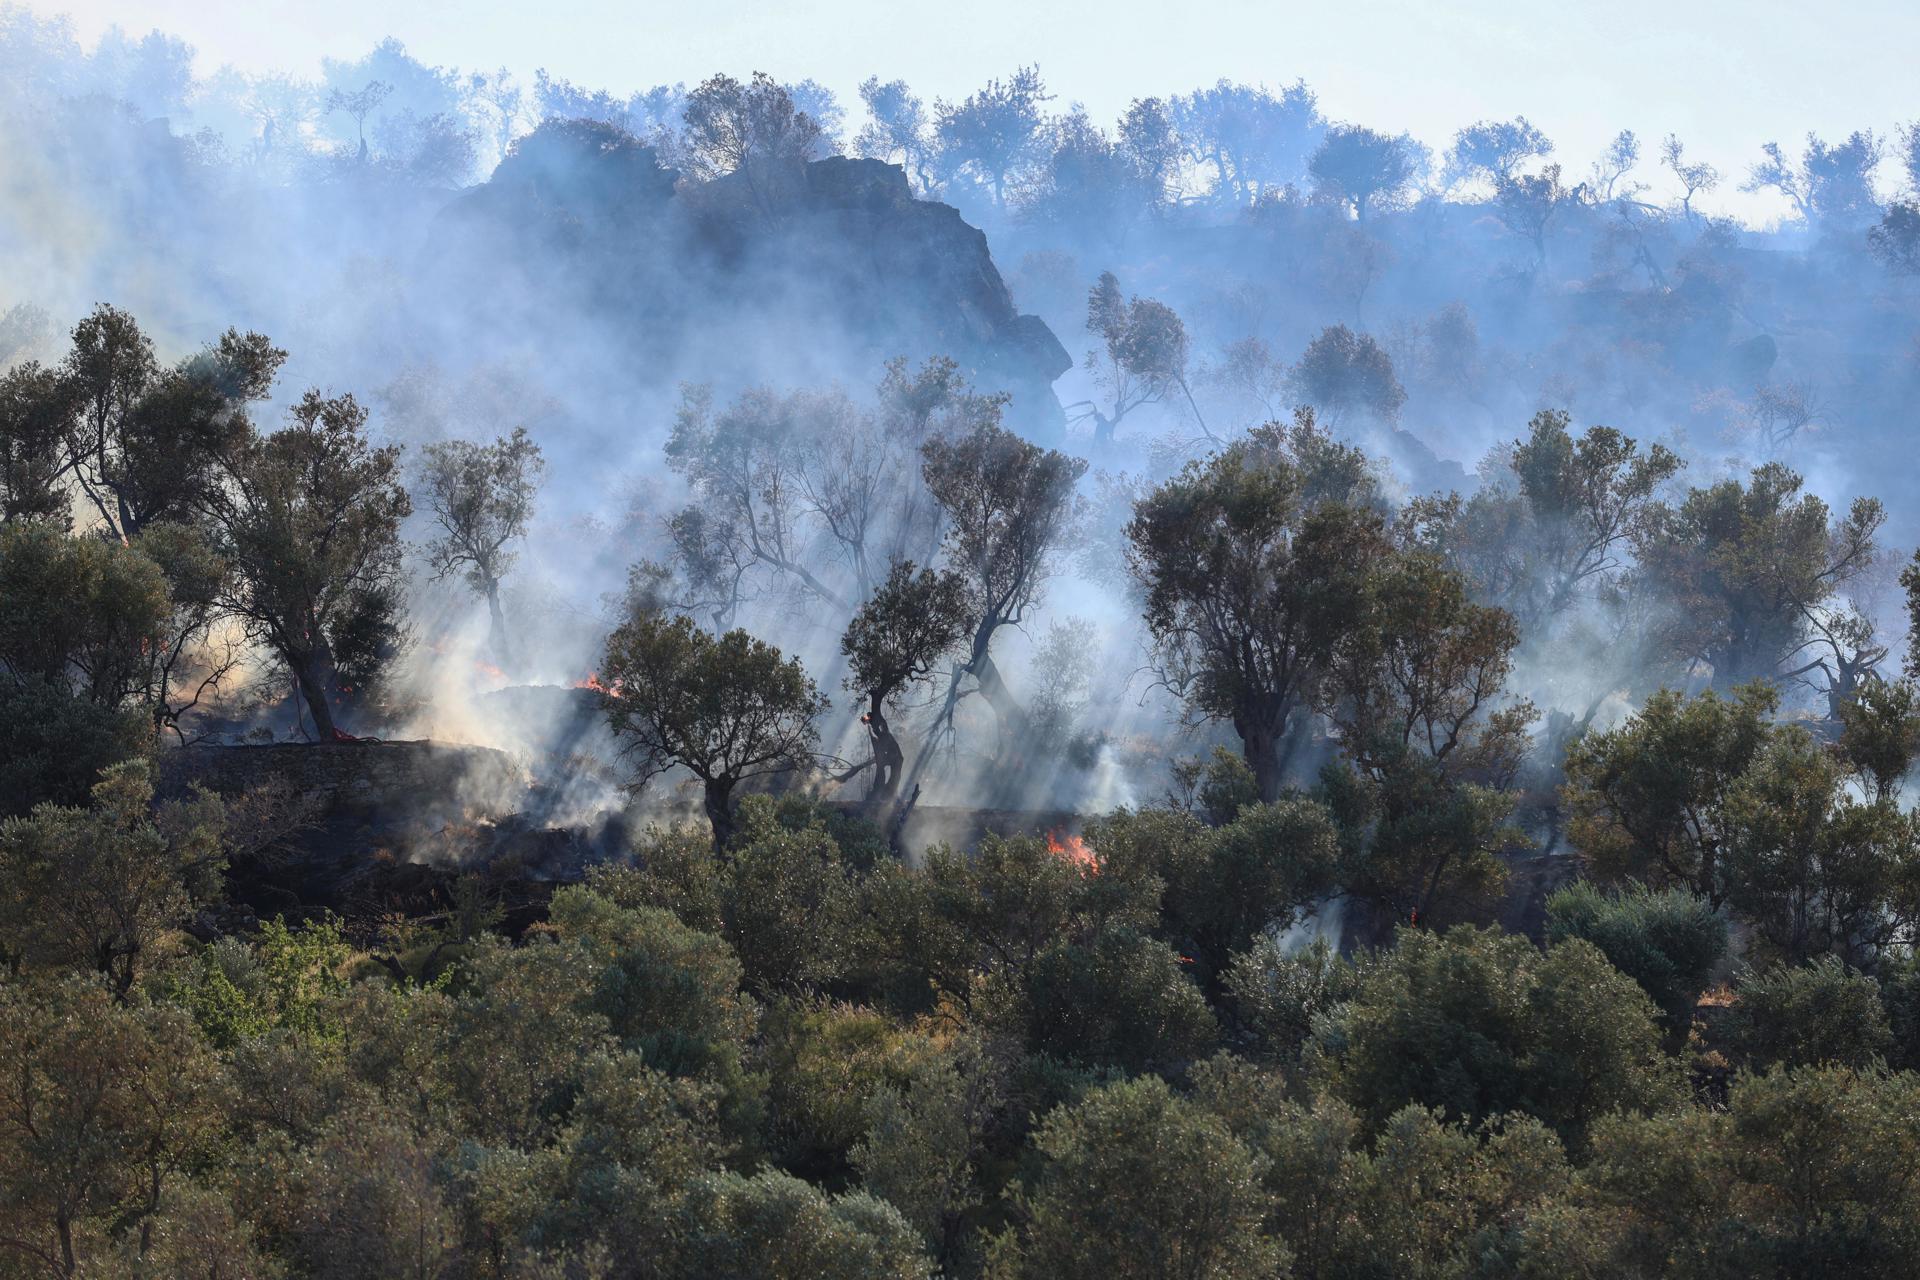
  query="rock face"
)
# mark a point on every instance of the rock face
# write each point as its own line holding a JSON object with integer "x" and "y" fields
{"x": 824, "y": 274}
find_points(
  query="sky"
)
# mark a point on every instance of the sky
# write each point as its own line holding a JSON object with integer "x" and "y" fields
{"x": 1726, "y": 77}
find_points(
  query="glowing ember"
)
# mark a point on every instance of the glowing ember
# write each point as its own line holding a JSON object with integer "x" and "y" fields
{"x": 1073, "y": 849}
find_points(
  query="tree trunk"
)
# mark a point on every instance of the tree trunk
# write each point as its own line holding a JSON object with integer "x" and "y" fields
{"x": 1012, "y": 717}
{"x": 719, "y": 800}
{"x": 317, "y": 680}
{"x": 497, "y": 628}
{"x": 887, "y": 756}
{"x": 1268, "y": 748}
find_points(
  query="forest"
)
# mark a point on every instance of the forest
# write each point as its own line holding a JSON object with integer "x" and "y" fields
{"x": 715, "y": 682}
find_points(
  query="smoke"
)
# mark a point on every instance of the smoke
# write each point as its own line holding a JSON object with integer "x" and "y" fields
{"x": 463, "y": 287}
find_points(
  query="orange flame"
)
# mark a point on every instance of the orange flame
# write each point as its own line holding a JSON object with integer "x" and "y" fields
{"x": 487, "y": 671}
{"x": 591, "y": 682}
{"x": 1074, "y": 849}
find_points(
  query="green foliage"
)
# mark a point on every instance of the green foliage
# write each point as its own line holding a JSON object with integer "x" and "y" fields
{"x": 1648, "y": 798}
{"x": 1278, "y": 995}
{"x": 1667, "y": 940}
{"x": 282, "y": 980}
{"x": 727, "y": 708}
{"x": 1118, "y": 998}
{"x": 1251, "y": 563}
{"x": 788, "y": 902}
{"x": 311, "y": 527}
{"x": 776, "y": 1226}
{"x": 1814, "y": 1014}
{"x": 1479, "y": 1023}
{"x": 1809, "y": 1170}
{"x": 78, "y": 612}
{"x": 54, "y": 747}
{"x": 1135, "y": 1182}
{"x": 924, "y": 1137}
{"x": 98, "y": 888}
{"x": 1742, "y": 567}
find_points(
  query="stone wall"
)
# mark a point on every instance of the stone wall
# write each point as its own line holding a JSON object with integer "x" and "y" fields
{"x": 396, "y": 777}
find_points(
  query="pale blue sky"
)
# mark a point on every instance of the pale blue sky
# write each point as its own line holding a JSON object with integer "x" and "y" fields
{"x": 1725, "y": 76}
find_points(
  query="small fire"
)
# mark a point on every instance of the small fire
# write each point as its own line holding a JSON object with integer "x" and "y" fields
{"x": 487, "y": 671}
{"x": 1074, "y": 849}
{"x": 591, "y": 682}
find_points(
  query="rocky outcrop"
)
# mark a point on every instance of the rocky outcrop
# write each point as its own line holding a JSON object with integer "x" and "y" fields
{"x": 824, "y": 274}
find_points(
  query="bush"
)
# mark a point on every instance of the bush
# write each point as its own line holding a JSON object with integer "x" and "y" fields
{"x": 1667, "y": 940}
{"x": 1815, "y": 1014}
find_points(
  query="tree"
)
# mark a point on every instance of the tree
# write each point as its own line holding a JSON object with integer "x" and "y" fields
{"x": 97, "y": 888}
{"x": 1553, "y": 524}
{"x": 360, "y": 103}
{"x": 993, "y": 134}
{"x": 1365, "y": 170}
{"x": 728, "y": 709}
{"x": 1527, "y": 204}
{"x": 481, "y": 496}
{"x": 1254, "y": 140}
{"x": 309, "y": 518}
{"x": 33, "y": 422}
{"x": 81, "y": 614}
{"x": 1813, "y": 869}
{"x": 754, "y": 130}
{"x": 1667, "y": 940}
{"x": 1116, "y": 997}
{"x": 1008, "y": 504}
{"x": 1494, "y": 150}
{"x": 1746, "y": 568}
{"x": 811, "y": 489}
{"x": 1135, "y": 1182}
{"x": 1610, "y": 170}
{"x": 1880, "y": 735}
{"x": 1810, "y": 1015}
{"x": 1251, "y": 563}
{"x": 1696, "y": 178}
{"x": 1226, "y": 886}
{"x": 777, "y": 1226}
{"x": 897, "y": 126}
{"x": 894, "y": 642}
{"x": 1895, "y": 239}
{"x": 146, "y": 444}
{"x": 1831, "y": 186}
{"x": 1648, "y": 799}
{"x": 1145, "y": 356}
{"x": 103, "y": 1111}
{"x": 1479, "y": 1022}
{"x": 923, "y": 1139}
{"x": 1342, "y": 370}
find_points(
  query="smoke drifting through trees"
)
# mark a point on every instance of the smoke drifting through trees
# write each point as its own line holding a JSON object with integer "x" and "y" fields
{"x": 1218, "y": 257}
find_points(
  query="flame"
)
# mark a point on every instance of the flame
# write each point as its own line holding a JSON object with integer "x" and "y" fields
{"x": 487, "y": 671}
{"x": 1074, "y": 849}
{"x": 592, "y": 682}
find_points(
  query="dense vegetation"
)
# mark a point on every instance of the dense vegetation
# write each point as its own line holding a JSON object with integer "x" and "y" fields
{"x": 767, "y": 1037}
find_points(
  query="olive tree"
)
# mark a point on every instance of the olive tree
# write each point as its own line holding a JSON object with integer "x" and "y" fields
{"x": 729, "y": 709}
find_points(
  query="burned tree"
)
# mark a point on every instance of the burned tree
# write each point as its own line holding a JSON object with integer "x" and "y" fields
{"x": 728, "y": 709}
{"x": 309, "y": 518}
{"x": 481, "y": 496}
{"x": 894, "y": 642}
